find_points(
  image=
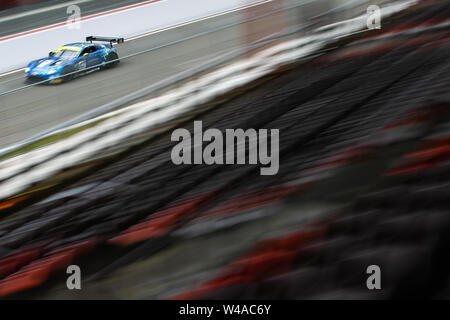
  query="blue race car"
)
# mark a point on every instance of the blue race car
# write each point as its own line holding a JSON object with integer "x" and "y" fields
{"x": 74, "y": 59}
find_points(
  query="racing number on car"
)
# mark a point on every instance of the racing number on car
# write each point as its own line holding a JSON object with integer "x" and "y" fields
{"x": 82, "y": 65}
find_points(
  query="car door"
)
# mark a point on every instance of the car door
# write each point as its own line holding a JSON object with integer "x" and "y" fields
{"x": 94, "y": 56}
{"x": 82, "y": 62}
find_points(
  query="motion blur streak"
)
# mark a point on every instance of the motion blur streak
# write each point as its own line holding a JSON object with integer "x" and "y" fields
{"x": 363, "y": 181}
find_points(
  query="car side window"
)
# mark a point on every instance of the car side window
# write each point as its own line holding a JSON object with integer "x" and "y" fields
{"x": 88, "y": 50}
{"x": 82, "y": 53}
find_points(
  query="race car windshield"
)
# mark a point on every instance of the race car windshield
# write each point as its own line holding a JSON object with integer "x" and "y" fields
{"x": 66, "y": 54}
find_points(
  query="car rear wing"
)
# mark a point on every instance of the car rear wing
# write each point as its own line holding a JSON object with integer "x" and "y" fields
{"x": 104, "y": 39}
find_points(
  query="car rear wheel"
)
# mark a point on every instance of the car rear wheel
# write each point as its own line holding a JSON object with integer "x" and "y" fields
{"x": 111, "y": 57}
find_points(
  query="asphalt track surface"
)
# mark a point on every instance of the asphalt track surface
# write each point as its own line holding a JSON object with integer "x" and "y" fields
{"x": 35, "y": 109}
{"x": 38, "y": 108}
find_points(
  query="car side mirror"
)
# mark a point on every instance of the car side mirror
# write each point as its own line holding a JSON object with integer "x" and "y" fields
{"x": 86, "y": 54}
{"x": 51, "y": 54}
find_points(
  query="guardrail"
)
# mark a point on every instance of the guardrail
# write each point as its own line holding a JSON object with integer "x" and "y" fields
{"x": 183, "y": 100}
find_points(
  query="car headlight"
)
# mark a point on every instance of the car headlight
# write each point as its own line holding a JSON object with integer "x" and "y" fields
{"x": 27, "y": 70}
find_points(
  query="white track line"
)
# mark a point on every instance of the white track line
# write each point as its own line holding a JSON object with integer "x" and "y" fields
{"x": 11, "y": 72}
{"x": 36, "y": 11}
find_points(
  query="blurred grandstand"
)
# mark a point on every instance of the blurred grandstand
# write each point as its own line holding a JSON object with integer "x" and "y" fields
{"x": 364, "y": 180}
